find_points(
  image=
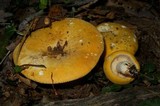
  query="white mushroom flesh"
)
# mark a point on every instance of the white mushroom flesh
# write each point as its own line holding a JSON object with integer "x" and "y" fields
{"x": 121, "y": 64}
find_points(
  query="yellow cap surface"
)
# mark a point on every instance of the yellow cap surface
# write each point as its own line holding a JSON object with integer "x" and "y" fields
{"x": 69, "y": 49}
{"x": 118, "y": 37}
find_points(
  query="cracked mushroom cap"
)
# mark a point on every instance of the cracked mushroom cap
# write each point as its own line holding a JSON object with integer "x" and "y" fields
{"x": 69, "y": 49}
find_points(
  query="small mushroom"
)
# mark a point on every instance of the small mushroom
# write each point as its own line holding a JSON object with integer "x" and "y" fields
{"x": 118, "y": 37}
{"x": 68, "y": 49}
{"x": 120, "y": 65}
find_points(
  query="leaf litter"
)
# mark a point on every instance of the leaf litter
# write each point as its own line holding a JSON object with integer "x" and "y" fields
{"x": 15, "y": 89}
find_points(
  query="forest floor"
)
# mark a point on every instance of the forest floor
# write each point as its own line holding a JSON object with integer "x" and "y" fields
{"x": 141, "y": 15}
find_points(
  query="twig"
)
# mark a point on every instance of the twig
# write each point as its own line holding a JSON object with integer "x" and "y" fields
{"x": 4, "y": 23}
{"x": 26, "y": 81}
{"x": 25, "y": 66}
{"x": 86, "y": 5}
{"x": 23, "y": 40}
{"x": 28, "y": 19}
{"x": 5, "y": 57}
{"x": 155, "y": 93}
{"x": 53, "y": 84}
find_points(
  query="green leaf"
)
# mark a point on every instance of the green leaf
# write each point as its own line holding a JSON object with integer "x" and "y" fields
{"x": 17, "y": 69}
{"x": 10, "y": 30}
{"x": 127, "y": 86}
{"x": 43, "y": 4}
{"x": 112, "y": 88}
{"x": 148, "y": 68}
{"x": 150, "y": 102}
{"x": 149, "y": 73}
{"x": 5, "y": 38}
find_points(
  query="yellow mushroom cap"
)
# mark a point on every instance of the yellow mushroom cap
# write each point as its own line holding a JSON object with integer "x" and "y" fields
{"x": 118, "y": 37}
{"x": 117, "y": 66}
{"x": 69, "y": 49}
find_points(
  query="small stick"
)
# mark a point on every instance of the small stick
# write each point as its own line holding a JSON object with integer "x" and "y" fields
{"x": 25, "y": 66}
{"x": 5, "y": 57}
{"x": 53, "y": 84}
{"x": 86, "y": 5}
{"x": 28, "y": 19}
